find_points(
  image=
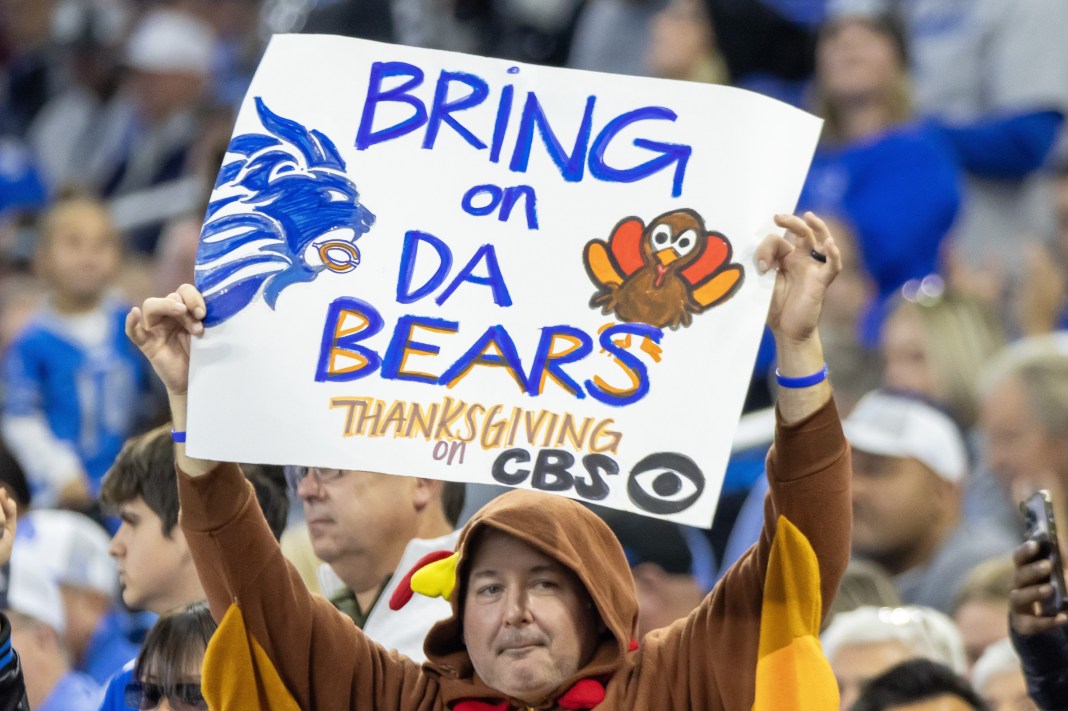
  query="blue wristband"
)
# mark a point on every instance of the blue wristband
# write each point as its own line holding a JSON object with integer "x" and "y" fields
{"x": 802, "y": 382}
{"x": 178, "y": 437}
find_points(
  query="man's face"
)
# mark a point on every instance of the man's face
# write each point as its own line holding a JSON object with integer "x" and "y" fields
{"x": 358, "y": 515}
{"x": 1019, "y": 450}
{"x": 529, "y": 623}
{"x": 156, "y": 571}
{"x": 896, "y": 504}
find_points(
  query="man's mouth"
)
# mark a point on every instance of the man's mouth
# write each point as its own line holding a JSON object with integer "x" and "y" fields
{"x": 518, "y": 651}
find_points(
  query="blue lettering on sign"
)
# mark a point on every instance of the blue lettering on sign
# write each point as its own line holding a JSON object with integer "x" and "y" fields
{"x": 494, "y": 279}
{"x": 588, "y": 148}
{"x": 505, "y": 199}
{"x": 345, "y": 355}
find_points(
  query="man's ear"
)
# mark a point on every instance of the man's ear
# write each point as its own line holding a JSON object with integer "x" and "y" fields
{"x": 426, "y": 491}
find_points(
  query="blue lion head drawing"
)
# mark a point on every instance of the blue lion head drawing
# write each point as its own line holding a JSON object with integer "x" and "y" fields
{"x": 280, "y": 213}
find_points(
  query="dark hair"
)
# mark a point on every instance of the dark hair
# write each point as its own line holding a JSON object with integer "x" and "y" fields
{"x": 13, "y": 478}
{"x": 145, "y": 468}
{"x": 452, "y": 500}
{"x": 912, "y": 681}
{"x": 175, "y": 643}
{"x": 269, "y": 481}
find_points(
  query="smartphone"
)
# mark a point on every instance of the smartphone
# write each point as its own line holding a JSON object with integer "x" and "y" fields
{"x": 1038, "y": 517}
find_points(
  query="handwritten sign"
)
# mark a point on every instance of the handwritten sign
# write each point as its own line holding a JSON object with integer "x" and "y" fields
{"x": 433, "y": 264}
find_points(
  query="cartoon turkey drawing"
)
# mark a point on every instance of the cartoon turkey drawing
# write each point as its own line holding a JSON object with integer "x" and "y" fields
{"x": 663, "y": 273}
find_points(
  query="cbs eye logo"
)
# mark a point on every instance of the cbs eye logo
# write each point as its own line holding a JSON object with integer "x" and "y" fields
{"x": 665, "y": 483}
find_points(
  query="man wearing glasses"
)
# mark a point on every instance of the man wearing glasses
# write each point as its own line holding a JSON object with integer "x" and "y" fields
{"x": 366, "y": 526}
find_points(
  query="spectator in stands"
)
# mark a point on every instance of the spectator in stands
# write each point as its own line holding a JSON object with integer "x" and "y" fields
{"x": 78, "y": 136}
{"x": 35, "y": 610}
{"x": 894, "y": 182}
{"x": 935, "y": 342}
{"x": 864, "y": 643}
{"x": 1024, "y": 417}
{"x": 169, "y": 54}
{"x": 28, "y": 73}
{"x": 155, "y": 567}
{"x": 73, "y": 387}
{"x": 168, "y": 667}
{"x": 909, "y": 467}
{"x": 75, "y": 550}
{"x": 919, "y": 685}
{"x": 370, "y": 529}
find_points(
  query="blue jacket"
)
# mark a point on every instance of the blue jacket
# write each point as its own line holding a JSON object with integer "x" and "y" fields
{"x": 900, "y": 192}
{"x": 115, "y": 695}
{"x": 110, "y": 647}
{"x": 90, "y": 398}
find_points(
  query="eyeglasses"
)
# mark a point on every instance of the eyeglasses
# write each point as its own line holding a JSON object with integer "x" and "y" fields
{"x": 183, "y": 697}
{"x": 295, "y": 475}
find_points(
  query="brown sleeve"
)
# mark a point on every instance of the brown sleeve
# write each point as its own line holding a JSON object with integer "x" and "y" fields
{"x": 323, "y": 659}
{"x": 710, "y": 657}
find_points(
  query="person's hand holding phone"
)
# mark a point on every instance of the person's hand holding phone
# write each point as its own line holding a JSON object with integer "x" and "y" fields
{"x": 1032, "y": 591}
{"x": 1039, "y": 598}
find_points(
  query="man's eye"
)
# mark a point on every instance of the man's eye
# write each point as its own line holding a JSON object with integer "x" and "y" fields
{"x": 489, "y": 589}
{"x": 546, "y": 585}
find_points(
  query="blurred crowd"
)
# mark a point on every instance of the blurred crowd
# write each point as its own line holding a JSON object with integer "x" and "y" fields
{"x": 943, "y": 169}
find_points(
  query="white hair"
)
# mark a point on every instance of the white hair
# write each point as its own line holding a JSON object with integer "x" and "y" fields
{"x": 924, "y": 631}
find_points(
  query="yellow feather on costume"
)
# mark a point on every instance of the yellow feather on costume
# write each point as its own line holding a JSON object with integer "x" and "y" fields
{"x": 438, "y": 579}
{"x": 792, "y": 672}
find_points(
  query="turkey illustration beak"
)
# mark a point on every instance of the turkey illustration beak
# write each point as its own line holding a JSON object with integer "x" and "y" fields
{"x": 667, "y": 255}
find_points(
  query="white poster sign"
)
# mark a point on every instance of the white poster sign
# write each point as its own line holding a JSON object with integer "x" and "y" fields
{"x": 434, "y": 264}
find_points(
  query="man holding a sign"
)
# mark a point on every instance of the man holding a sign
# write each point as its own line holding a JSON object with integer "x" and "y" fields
{"x": 543, "y": 605}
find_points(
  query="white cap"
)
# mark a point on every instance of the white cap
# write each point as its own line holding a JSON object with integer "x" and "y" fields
{"x": 900, "y": 425}
{"x": 72, "y": 546}
{"x": 923, "y": 631}
{"x": 33, "y": 592}
{"x": 171, "y": 41}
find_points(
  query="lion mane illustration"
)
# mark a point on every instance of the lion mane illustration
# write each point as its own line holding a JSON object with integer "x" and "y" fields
{"x": 281, "y": 212}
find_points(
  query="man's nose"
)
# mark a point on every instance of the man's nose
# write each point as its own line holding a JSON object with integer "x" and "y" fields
{"x": 115, "y": 546}
{"x": 309, "y": 487}
{"x": 518, "y": 610}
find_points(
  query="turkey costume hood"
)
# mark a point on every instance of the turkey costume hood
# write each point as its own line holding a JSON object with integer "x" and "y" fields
{"x": 569, "y": 533}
